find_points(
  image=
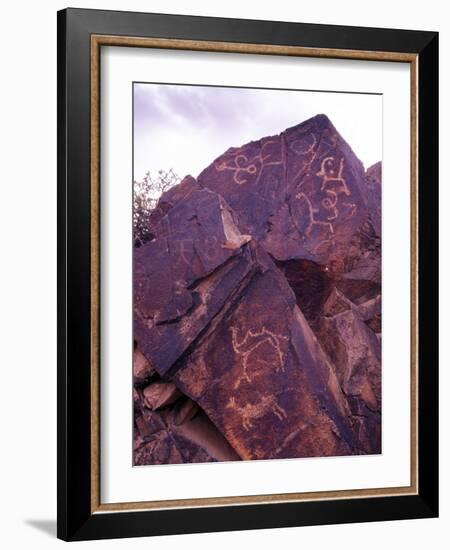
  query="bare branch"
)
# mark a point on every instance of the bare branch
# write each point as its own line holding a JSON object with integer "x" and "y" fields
{"x": 146, "y": 194}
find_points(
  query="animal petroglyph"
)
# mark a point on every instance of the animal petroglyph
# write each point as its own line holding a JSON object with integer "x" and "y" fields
{"x": 247, "y": 345}
{"x": 251, "y": 412}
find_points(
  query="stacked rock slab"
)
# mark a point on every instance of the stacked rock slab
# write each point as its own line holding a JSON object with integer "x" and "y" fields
{"x": 259, "y": 298}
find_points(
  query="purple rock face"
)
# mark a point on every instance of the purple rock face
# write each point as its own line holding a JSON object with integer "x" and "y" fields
{"x": 257, "y": 306}
{"x": 301, "y": 194}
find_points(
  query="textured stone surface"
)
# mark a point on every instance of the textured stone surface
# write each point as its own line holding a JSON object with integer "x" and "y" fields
{"x": 160, "y": 394}
{"x": 301, "y": 193}
{"x": 142, "y": 370}
{"x": 257, "y": 306}
{"x": 197, "y": 238}
{"x": 176, "y": 434}
{"x": 373, "y": 183}
{"x": 261, "y": 376}
{"x": 354, "y": 352}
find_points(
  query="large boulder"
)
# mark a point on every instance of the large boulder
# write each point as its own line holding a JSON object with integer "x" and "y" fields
{"x": 261, "y": 376}
{"x": 300, "y": 193}
{"x": 258, "y": 304}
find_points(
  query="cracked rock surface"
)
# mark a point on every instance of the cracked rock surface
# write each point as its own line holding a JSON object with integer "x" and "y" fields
{"x": 257, "y": 307}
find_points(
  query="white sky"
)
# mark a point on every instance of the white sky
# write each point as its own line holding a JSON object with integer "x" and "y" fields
{"x": 187, "y": 127}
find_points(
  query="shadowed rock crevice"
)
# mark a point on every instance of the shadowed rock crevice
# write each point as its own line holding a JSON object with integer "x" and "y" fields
{"x": 311, "y": 284}
{"x": 170, "y": 428}
{"x": 257, "y": 306}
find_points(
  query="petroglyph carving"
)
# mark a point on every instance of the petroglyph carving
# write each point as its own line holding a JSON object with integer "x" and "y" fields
{"x": 251, "y": 342}
{"x": 265, "y": 146}
{"x": 242, "y": 166}
{"x": 314, "y": 150}
{"x": 352, "y": 209}
{"x": 312, "y": 211}
{"x": 182, "y": 250}
{"x": 332, "y": 178}
{"x": 305, "y": 145}
{"x": 332, "y": 185}
{"x": 251, "y": 412}
{"x": 211, "y": 251}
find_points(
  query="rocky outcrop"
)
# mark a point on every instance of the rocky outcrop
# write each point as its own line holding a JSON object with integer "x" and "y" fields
{"x": 301, "y": 194}
{"x": 257, "y": 306}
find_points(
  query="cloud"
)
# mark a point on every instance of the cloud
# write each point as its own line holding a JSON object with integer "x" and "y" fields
{"x": 187, "y": 127}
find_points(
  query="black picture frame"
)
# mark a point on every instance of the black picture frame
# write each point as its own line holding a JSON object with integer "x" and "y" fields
{"x": 76, "y": 521}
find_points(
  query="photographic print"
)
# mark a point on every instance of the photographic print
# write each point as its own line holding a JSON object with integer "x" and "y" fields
{"x": 237, "y": 346}
{"x": 256, "y": 273}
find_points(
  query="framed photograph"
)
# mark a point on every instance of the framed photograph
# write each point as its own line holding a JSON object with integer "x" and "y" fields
{"x": 247, "y": 254}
